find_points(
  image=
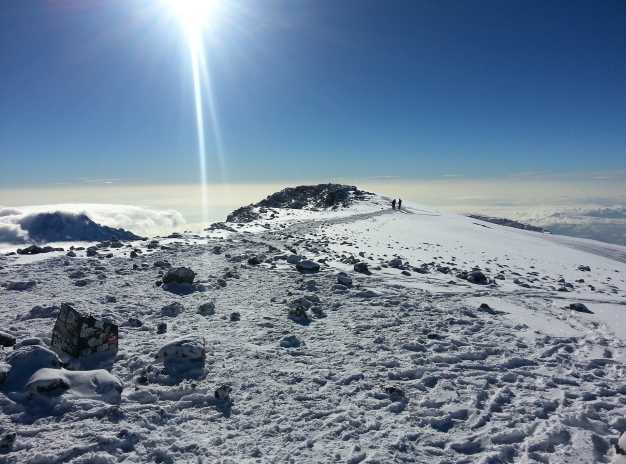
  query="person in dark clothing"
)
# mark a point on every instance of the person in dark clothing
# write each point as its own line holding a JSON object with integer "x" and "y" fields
{"x": 399, "y": 203}
{"x": 393, "y": 204}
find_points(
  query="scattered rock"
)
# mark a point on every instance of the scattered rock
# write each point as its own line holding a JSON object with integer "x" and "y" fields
{"x": 91, "y": 251}
{"x": 183, "y": 355}
{"x": 344, "y": 279}
{"x": 306, "y": 266}
{"x": 234, "y": 317}
{"x": 222, "y": 393}
{"x": 206, "y": 309}
{"x": 35, "y": 250}
{"x": 6, "y": 339}
{"x": 161, "y": 328}
{"x": 290, "y": 341}
{"x": 172, "y": 310}
{"x": 477, "y": 277}
{"x": 20, "y": 286}
{"x": 580, "y": 308}
{"x": 179, "y": 275}
{"x": 27, "y": 360}
{"x": 294, "y": 259}
{"x": 362, "y": 268}
{"x": 162, "y": 264}
{"x": 584, "y": 268}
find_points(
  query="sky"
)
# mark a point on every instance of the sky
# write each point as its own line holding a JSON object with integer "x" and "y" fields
{"x": 101, "y": 90}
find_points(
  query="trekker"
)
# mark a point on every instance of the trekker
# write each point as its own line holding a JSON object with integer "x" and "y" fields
{"x": 399, "y": 203}
{"x": 393, "y": 204}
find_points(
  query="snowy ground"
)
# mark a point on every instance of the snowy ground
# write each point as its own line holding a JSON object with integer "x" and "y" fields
{"x": 530, "y": 381}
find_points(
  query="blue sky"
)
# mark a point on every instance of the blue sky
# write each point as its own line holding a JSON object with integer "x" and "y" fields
{"x": 101, "y": 89}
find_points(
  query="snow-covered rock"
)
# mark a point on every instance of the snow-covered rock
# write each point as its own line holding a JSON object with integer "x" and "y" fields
{"x": 183, "y": 355}
{"x": 27, "y": 360}
{"x": 96, "y": 385}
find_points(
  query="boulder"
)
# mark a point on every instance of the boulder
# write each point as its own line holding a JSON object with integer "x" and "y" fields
{"x": 395, "y": 263}
{"x": 183, "y": 355}
{"x": 306, "y": 266}
{"x": 96, "y": 385}
{"x": 27, "y": 360}
{"x": 20, "y": 286}
{"x": 179, "y": 275}
{"x": 294, "y": 259}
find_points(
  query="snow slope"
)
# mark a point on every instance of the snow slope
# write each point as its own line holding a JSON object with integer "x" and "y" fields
{"x": 399, "y": 367}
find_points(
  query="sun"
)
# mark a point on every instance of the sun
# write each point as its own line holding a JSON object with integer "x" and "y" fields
{"x": 194, "y": 15}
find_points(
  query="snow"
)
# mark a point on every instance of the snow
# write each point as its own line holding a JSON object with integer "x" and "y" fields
{"x": 395, "y": 368}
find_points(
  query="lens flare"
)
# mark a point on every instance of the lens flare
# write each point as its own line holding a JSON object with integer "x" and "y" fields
{"x": 194, "y": 17}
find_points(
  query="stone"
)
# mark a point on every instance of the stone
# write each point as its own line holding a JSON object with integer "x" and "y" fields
{"x": 172, "y": 310}
{"x": 206, "y": 309}
{"x": 6, "y": 339}
{"x": 7, "y": 440}
{"x": 344, "y": 279}
{"x": 255, "y": 260}
{"x": 477, "y": 277}
{"x": 27, "y": 360}
{"x": 395, "y": 263}
{"x": 222, "y": 393}
{"x": 182, "y": 355}
{"x": 584, "y": 268}
{"x": 161, "y": 328}
{"x": 362, "y": 268}
{"x": 234, "y": 317}
{"x": 306, "y": 266}
{"x": 179, "y": 275}
{"x": 95, "y": 384}
{"x": 580, "y": 308}
{"x": 290, "y": 341}
{"x": 92, "y": 251}
{"x": 294, "y": 259}
{"x": 20, "y": 286}
{"x": 162, "y": 264}
{"x": 77, "y": 334}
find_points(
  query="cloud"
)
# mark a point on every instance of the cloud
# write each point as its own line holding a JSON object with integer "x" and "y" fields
{"x": 141, "y": 221}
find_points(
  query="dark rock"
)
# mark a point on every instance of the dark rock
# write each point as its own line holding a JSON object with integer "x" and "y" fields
{"x": 161, "y": 328}
{"x": 306, "y": 266}
{"x": 344, "y": 279}
{"x": 206, "y": 309}
{"x": 362, "y": 268}
{"x": 477, "y": 277}
{"x": 290, "y": 341}
{"x": 222, "y": 393}
{"x": 584, "y": 268}
{"x": 20, "y": 286}
{"x": 234, "y": 317}
{"x": 35, "y": 250}
{"x": 172, "y": 310}
{"x": 6, "y": 339}
{"x": 179, "y": 275}
{"x": 580, "y": 308}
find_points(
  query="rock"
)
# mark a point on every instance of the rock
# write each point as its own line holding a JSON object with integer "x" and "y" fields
{"x": 395, "y": 263}
{"x": 584, "y": 268}
{"x": 179, "y": 275}
{"x": 580, "y": 308}
{"x": 96, "y": 384}
{"x": 306, "y": 266}
{"x": 27, "y": 360}
{"x": 222, "y": 393}
{"x": 234, "y": 317}
{"x": 133, "y": 322}
{"x": 206, "y": 309}
{"x": 183, "y": 355}
{"x": 395, "y": 393}
{"x": 298, "y": 314}
{"x": 6, "y": 339}
{"x": 35, "y": 250}
{"x": 365, "y": 293}
{"x": 29, "y": 341}
{"x": 172, "y": 310}
{"x": 7, "y": 440}
{"x": 362, "y": 268}
{"x": 20, "y": 286}
{"x": 153, "y": 244}
{"x": 91, "y": 252}
{"x": 161, "y": 328}
{"x": 294, "y": 259}
{"x": 290, "y": 341}
{"x": 344, "y": 279}
{"x": 318, "y": 313}
{"x": 134, "y": 254}
{"x": 71, "y": 254}
{"x": 406, "y": 273}
{"x": 110, "y": 299}
{"x": 77, "y": 334}
{"x": 162, "y": 264}
{"x": 477, "y": 277}
{"x": 255, "y": 260}
{"x": 485, "y": 308}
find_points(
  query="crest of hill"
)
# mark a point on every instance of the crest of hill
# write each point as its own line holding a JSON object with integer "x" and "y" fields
{"x": 309, "y": 197}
